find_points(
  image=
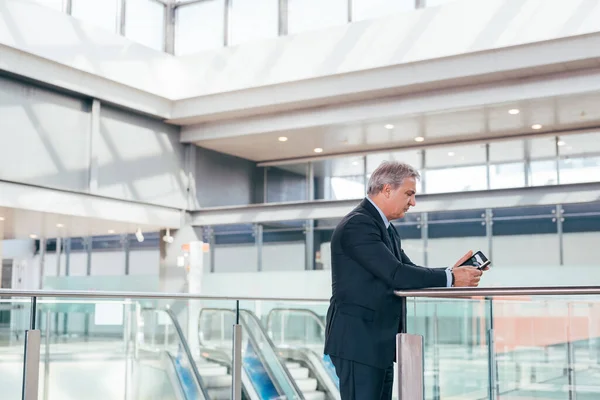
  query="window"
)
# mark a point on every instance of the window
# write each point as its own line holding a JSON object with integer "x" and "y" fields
{"x": 58, "y": 5}
{"x": 144, "y": 23}
{"x": 510, "y": 175}
{"x": 102, "y": 13}
{"x": 308, "y": 15}
{"x": 450, "y": 156}
{"x": 458, "y": 179}
{"x": 253, "y": 19}
{"x": 510, "y": 150}
{"x": 368, "y": 9}
{"x": 199, "y": 26}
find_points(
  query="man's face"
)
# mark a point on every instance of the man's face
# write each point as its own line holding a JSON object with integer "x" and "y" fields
{"x": 402, "y": 198}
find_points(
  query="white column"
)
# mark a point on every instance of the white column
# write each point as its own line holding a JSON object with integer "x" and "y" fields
{"x": 194, "y": 278}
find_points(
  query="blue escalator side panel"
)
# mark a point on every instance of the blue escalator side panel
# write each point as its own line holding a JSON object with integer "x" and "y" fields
{"x": 186, "y": 377}
{"x": 331, "y": 369}
{"x": 258, "y": 375}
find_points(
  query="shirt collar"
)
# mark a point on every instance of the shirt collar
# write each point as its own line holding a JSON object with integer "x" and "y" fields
{"x": 383, "y": 217}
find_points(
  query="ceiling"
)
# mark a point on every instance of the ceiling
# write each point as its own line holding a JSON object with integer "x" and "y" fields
{"x": 553, "y": 114}
{"x": 21, "y": 224}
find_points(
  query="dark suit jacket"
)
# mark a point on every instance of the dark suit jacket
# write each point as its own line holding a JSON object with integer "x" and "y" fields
{"x": 364, "y": 314}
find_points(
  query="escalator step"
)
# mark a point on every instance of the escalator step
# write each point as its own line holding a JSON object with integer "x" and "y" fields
{"x": 307, "y": 384}
{"x": 216, "y": 381}
{"x": 219, "y": 394}
{"x": 314, "y": 396}
{"x": 299, "y": 373}
{"x": 292, "y": 365}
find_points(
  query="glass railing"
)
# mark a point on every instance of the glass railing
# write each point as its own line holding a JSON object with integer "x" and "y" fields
{"x": 497, "y": 344}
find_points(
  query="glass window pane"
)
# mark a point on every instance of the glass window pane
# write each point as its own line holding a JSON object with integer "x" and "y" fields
{"x": 144, "y": 22}
{"x": 456, "y": 179}
{"x": 543, "y": 173}
{"x": 542, "y": 147}
{"x": 587, "y": 143}
{"x": 503, "y": 176}
{"x": 199, "y": 26}
{"x": 102, "y": 13}
{"x": 254, "y": 19}
{"x": 577, "y": 170}
{"x": 455, "y": 155}
{"x": 339, "y": 178}
{"x": 286, "y": 183}
{"x": 512, "y": 150}
{"x": 55, "y": 4}
{"x": 308, "y": 15}
{"x": 368, "y": 9}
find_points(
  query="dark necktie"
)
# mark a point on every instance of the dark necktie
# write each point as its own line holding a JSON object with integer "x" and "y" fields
{"x": 392, "y": 234}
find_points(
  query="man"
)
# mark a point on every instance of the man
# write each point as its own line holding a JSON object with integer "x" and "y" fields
{"x": 368, "y": 264}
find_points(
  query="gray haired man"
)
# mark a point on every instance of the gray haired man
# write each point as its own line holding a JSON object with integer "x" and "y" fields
{"x": 368, "y": 264}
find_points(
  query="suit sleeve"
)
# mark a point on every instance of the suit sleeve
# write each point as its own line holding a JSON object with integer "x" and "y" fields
{"x": 362, "y": 241}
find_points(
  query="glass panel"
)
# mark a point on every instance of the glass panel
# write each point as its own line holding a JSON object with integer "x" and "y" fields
{"x": 284, "y": 246}
{"x": 235, "y": 248}
{"x": 254, "y": 19}
{"x": 58, "y": 5}
{"x": 455, "y": 346}
{"x": 504, "y": 176}
{"x": 542, "y": 147}
{"x": 339, "y": 178}
{"x": 581, "y": 230}
{"x": 450, "y": 156}
{"x": 144, "y": 22}
{"x": 579, "y": 144}
{"x": 543, "y": 173}
{"x": 14, "y": 320}
{"x": 323, "y": 231}
{"x": 287, "y": 183}
{"x": 308, "y": 15}
{"x": 456, "y": 179}
{"x": 525, "y": 237}
{"x": 577, "y": 170}
{"x": 102, "y": 13}
{"x": 513, "y": 150}
{"x": 369, "y": 9}
{"x": 199, "y": 26}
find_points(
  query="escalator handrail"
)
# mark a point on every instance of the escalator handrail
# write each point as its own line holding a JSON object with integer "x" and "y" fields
{"x": 306, "y": 311}
{"x": 186, "y": 349}
{"x": 254, "y": 342}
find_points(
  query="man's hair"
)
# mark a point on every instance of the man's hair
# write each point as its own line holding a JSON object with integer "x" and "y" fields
{"x": 390, "y": 173}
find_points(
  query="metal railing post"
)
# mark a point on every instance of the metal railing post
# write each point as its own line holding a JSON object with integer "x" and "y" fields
{"x": 31, "y": 357}
{"x": 409, "y": 358}
{"x": 236, "y": 375}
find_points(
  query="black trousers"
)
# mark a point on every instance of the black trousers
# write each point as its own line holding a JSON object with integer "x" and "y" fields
{"x": 363, "y": 382}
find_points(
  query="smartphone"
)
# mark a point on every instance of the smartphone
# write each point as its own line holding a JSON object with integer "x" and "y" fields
{"x": 478, "y": 260}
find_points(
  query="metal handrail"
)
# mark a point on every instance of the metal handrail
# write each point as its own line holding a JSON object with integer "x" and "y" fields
{"x": 143, "y": 295}
{"x": 501, "y": 291}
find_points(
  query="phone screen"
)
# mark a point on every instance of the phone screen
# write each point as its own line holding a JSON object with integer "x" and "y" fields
{"x": 478, "y": 260}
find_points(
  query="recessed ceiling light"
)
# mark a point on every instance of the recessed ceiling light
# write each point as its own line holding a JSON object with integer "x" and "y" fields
{"x": 389, "y": 126}
{"x": 514, "y": 111}
{"x": 354, "y": 162}
{"x": 451, "y": 153}
{"x": 1, "y": 218}
{"x": 536, "y": 126}
{"x": 283, "y": 139}
{"x": 560, "y": 143}
{"x": 419, "y": 139}
{"x": 33, "y": 236}
{"x": 318, "y": 150}
{"x": 111, "y": 231}
{"x": 60, "y": 226}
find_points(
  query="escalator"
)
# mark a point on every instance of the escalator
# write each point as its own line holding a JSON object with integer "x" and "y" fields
{"x": 163, "y": 366}
{"x": 264, "y": 377}
{"x": 297, "y": 367}
{"x": 299, "y": 336}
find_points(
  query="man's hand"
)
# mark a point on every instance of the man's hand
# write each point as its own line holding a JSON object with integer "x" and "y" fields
{"x": 466, "y": 276}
